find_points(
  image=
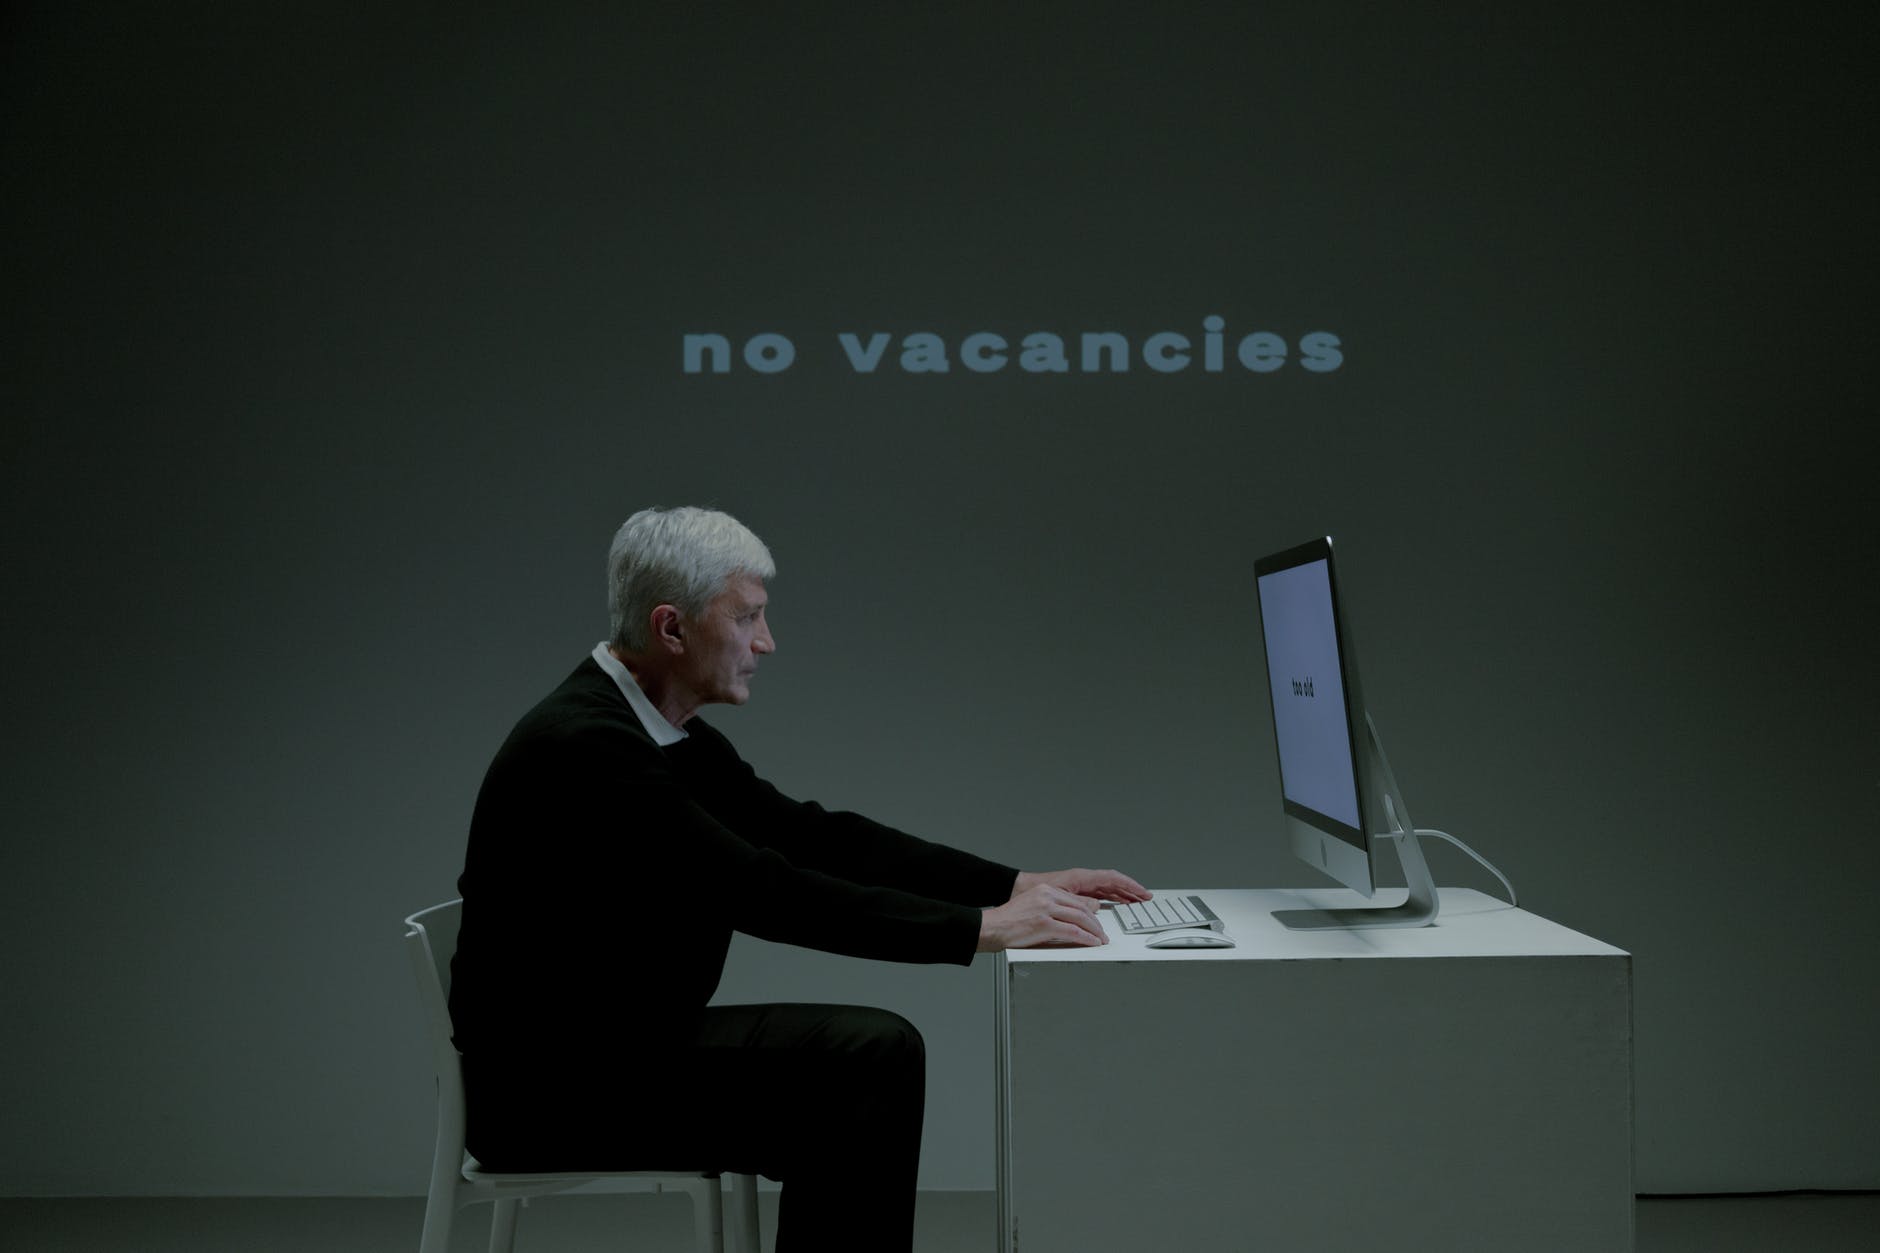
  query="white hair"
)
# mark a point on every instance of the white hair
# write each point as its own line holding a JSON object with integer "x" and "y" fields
{"x": 681, "y": 557}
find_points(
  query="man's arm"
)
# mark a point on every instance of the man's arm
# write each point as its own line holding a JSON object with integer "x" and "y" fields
{"x": 846, "y": 845}
{"x": 1019, "y": 908}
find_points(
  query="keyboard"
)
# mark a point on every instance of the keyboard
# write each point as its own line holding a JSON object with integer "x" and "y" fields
{"x": 1166, "y": 914}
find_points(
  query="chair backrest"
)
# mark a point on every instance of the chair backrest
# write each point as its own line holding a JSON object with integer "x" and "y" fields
{"x": 431, "y": 941}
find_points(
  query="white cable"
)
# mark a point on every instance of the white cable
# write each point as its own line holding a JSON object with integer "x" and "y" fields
{"x": 1398, "y": 835}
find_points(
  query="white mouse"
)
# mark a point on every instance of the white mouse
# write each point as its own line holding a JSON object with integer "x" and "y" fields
{"x": 1192, "y": 939}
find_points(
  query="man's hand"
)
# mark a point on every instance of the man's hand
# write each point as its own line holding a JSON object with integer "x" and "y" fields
{"x": 1105, "y": 885}
{"x": 1041, "y": 914}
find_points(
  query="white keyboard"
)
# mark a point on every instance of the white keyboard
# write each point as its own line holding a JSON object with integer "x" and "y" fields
{"x": 1166, "y": 914}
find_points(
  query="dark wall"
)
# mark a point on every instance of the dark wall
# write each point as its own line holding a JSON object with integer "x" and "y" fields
{"x": 339, "y": 338}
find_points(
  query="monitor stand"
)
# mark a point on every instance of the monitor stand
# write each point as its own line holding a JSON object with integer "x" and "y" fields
{"x": 1420, "y": 905}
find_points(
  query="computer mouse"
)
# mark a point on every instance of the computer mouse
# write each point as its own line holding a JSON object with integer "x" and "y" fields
{"x": 1192, "y": 939}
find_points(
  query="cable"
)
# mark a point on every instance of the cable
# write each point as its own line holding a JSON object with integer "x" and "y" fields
{"x": 1398, "y": 835}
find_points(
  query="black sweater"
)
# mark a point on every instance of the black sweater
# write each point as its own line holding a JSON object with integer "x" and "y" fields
{"x": 585, "y": 837}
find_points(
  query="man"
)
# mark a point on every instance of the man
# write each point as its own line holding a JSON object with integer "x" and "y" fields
{"x": 618, "y": 841}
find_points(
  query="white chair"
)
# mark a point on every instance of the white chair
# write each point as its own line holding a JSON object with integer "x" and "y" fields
{"x": 456, "y": 1178}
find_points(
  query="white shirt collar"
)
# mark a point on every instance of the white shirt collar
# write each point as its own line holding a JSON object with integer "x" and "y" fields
{"x": 663, "y": 732}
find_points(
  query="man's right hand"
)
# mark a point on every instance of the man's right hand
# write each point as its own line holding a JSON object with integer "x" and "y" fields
{"x": 1041, "y": 915}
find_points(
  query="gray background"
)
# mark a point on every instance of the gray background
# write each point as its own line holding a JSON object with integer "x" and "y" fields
{"x": 338, "y": 338}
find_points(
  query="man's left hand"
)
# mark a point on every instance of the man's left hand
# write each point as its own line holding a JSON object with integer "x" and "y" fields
{"x": 1103, "y": 885}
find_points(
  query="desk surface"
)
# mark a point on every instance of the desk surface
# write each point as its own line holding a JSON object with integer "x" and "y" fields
{"x": 1469, "y": 924}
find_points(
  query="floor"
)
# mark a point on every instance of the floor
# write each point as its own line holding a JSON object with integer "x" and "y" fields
{"x": 948, "y": 1222}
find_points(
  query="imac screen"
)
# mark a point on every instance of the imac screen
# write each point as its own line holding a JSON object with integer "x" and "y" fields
{"x": 1307, "y": 680}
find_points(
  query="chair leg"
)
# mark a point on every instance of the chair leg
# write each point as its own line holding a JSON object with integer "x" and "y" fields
{"x": 745, "y": 1238}
{"x": 439, "y": 1210}
{"x": 708, "y": 1214}
{"x": 503, "y": 1226}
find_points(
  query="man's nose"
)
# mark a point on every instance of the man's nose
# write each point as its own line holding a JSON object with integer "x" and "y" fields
{"x": 762, "y": 642}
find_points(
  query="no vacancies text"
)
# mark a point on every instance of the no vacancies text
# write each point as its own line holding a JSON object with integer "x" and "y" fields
{"x": 1040, "y": 352}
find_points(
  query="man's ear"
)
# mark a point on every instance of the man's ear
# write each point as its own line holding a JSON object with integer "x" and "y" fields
{"x": 668, "y": 632}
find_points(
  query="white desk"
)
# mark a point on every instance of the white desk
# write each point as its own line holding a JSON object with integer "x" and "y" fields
{"x": 1457, "y": 1087}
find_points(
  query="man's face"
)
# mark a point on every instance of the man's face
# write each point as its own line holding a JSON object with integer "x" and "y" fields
{"x": 722, "y": 644}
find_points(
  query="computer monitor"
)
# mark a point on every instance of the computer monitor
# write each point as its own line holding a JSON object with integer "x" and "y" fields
{"x": 1331, "y": 766}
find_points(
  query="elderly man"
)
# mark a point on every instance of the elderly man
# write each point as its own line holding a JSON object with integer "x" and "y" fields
{"x": 618, "y": 841}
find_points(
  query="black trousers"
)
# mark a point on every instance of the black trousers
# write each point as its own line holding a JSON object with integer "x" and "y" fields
{"x": 826, "y": 1099}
